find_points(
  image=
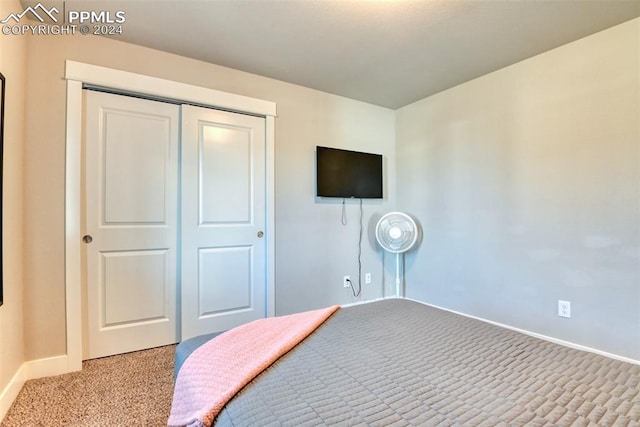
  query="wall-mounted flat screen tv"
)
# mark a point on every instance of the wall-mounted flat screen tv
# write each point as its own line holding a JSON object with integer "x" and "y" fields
{"x": 347, "y": 174}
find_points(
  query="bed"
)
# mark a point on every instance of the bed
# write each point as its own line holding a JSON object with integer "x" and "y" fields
{"x": 398, "y": 362}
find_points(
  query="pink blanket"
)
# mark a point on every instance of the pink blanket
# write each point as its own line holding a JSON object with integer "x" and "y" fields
{"x": 218, "y": 369}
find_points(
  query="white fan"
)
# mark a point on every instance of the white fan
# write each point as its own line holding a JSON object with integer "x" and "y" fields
{"x": 397, "y": 233}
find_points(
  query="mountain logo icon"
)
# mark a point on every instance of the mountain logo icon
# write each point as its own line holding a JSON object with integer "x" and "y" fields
{"x": 37, "y": 11}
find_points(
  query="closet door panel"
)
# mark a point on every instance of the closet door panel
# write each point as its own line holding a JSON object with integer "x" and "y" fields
{"x": 130, "y": 223}
{"x": 223, "y": 220}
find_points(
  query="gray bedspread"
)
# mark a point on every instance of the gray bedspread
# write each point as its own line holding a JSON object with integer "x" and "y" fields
{"x": 398, "y": 362}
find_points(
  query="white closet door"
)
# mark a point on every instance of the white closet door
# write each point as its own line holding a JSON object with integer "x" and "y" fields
{"x": 130, "y": 184}
{"x": 223, "y": 220}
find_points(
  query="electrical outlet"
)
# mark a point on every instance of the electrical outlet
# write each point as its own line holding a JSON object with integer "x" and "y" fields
{"x": 346, "y": 281}
{"x": 564, "y": 308}
{"x": 367, "y": 278}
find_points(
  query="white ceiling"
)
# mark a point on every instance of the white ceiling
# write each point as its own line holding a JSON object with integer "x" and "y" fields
{"x": 384, "y": 52}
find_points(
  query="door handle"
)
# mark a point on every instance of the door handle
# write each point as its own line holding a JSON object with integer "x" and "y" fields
{"x": 87, "y": 238}
{"x": 260, "y": 234}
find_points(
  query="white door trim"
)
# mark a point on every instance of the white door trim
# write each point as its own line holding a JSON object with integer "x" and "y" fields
{"x": 77, "y": 74}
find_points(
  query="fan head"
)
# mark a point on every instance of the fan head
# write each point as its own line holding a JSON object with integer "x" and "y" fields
{"x": 396, "y": 232}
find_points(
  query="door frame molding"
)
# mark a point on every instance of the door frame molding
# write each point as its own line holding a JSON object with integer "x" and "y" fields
{"x": 77, "y": 75}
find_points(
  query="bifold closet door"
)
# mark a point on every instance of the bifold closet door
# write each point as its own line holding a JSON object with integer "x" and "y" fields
{"x": 223, "y": 220}
{"x": 130, "y": 184}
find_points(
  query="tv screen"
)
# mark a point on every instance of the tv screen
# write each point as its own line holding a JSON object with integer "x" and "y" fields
{"x": 346, "y": 174}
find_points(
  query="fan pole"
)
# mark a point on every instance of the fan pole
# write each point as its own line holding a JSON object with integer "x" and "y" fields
{"x": 398, "y": 275}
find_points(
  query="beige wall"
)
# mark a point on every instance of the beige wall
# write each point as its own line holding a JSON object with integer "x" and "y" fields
{"x": 313, "y": 250}
{"x": 527, "y": 184}
{"x": 12, "y": 66}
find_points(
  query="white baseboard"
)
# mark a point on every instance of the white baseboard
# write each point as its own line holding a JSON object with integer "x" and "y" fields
{"x": 10, "y": 392}
{"x": 367, "y": 301}
{"x": 47, "y": 367}
{"x": 536, "y": 335}
{"x": 31, "y": 370}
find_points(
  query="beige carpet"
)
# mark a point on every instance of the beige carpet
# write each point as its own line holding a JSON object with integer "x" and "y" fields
{"x": 132, "y": 389}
